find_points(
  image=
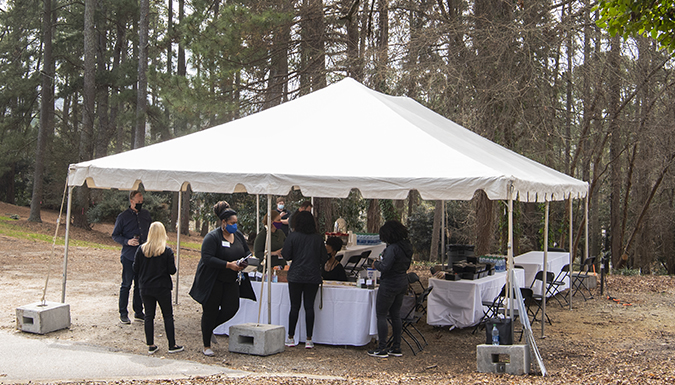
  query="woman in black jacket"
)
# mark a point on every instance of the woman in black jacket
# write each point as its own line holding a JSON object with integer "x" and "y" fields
{"x": 154, "y": 264}
{"x": 305, "y": 248}
{"x": 393, "y": 269}
{"x": 215, "y": 286}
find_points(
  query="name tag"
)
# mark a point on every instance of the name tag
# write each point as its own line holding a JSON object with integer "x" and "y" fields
{"x": 226, "y": 244}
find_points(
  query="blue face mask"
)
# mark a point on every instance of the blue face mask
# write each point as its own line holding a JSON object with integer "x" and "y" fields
{"x": 280, "y": 206}
{"x": 231, "y": 228}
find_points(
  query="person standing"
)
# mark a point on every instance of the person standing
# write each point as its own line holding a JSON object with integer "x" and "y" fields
{"x": 216, "y": 283}
{"x": 305, "y": 248}
{"x": 154, "y": 264}
{"x": 277, "y": 237}
{"x": 393, "y": 269}
{"x": 131, "y": 230}
{"x": 304, "y": 206}
{"x": 285, "y": 215}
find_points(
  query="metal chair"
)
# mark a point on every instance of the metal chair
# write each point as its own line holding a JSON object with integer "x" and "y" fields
{"x": 537, "y": 298}
{"x": 578, "y": 278}
{"x": 356, "y": 262}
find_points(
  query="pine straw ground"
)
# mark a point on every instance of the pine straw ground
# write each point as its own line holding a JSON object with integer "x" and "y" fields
{"x": 599, "y": 342}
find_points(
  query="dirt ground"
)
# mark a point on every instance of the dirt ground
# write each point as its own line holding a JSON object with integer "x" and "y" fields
{"x": 600, "y": 341}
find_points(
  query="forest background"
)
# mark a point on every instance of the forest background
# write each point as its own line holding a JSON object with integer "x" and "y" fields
{"x": 82, "y": 80}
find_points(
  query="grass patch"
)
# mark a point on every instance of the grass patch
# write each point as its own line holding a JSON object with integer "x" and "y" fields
{"x": 14, "y": 231}
{"x": 187, "y": 245}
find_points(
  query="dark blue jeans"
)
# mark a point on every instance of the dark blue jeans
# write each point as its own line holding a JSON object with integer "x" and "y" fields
{"x": 389, "y": 299}
{"x": 150, "y": 300}
{"x": 129, "y": 277}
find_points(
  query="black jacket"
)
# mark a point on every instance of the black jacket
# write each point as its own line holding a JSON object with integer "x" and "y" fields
{"x": 128, "y": 224}
{"x": 308, "y": 253}
{"x": 395, "y": 261}
{"x": 213, "y": 263}
{"x": 154, "y": 274}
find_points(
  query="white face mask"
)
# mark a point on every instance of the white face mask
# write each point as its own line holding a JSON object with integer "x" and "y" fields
{"x": 280, "y": 206}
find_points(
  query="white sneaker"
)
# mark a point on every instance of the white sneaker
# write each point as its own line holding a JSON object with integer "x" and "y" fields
{"x": 290, "y": 342}
{"x": 208, "y": 352}
{"x": 309, "y": 344}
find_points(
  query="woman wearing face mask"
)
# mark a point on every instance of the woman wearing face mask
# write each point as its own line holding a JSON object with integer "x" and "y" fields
{"x": 215, "y": 286}
{"x": 285, "y": 215}
{"x": 278, "y": 237}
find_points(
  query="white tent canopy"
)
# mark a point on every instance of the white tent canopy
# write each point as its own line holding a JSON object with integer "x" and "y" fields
{"x": 326, "y": 143}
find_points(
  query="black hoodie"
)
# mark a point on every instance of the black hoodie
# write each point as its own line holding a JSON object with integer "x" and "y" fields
{"x": 396, "y": 260}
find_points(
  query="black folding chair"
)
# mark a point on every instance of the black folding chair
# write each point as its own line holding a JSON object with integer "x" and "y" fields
{"x": 413, "y": 309}
{"x": 537, "y": 298}
{"x": 558, "y": 282}
{"x": 491, "y": 309}
{"x": 356, "y": 262}
{"x": 579, "y": 278}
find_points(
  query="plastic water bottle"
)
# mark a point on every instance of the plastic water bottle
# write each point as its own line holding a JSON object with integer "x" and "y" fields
{"x": 495, "y": 335}
{"x": 275, "y": 278}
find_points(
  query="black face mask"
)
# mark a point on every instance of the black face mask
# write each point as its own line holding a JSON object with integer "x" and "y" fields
{"x": 139, "y": 206}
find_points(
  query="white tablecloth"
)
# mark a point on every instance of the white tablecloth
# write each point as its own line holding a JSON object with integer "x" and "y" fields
{"x": 459, "y": 303}
{"x": 533, "y": 262}
{"x": 347, "y": 318}
{"x": 350, "y": 251}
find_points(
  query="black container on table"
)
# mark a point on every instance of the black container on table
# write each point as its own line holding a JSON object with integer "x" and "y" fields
{"x": 458, "y": 253}
{"x": 504, "y": 327}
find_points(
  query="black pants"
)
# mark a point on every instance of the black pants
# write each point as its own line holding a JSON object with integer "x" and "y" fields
{"x": 389, "y": 299}
{"x": 298, "y": 292}
{"x": 150, "y": 300}
{"x": 222, "y": 305}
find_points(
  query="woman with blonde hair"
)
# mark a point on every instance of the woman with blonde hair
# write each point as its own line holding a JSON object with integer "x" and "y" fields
{"x": 154, "y": 263}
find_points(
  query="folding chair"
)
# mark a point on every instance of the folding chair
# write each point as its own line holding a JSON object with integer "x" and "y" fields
{"x": 491, "y": 308}
{"x": 411, "y": 313}
{"x": 356, "y": 262}
{"x": 537, "y": 298}
{"x": 557, "y": 283}
{"x": 579, "y": 277}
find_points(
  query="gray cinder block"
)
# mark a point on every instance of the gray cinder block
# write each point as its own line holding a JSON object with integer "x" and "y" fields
{"x": 488, "y": 359}
{"x": 257, "y": 339}
{"x": 43, "y": 318}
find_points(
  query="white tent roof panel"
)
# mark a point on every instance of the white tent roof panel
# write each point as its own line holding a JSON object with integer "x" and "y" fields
{"x": 326, "y": 143}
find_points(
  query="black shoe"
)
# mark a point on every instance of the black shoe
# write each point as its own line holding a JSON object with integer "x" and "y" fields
{"x": 125, "y": 319}
{"x": 139, "y": 317}
{"x": 395, "y": 352}
{"x": 378, "y": 353}
{"x": 153, "y": 349}
{"x": 175, "y": 349}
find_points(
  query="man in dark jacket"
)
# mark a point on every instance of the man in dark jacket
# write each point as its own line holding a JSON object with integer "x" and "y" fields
{"x": 131, "y": 230}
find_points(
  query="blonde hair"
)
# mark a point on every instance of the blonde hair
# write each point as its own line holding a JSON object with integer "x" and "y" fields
{"x": 156, "y": 243}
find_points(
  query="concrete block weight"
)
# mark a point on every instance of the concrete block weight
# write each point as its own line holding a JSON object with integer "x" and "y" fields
{"x": 42, "y": 318}
{"x": 489, "y": 359}
{"x": 257, "y": 339}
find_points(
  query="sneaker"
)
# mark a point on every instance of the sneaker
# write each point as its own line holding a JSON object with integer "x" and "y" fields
{"x": 176, "y": 349}
{"x": 208, "y": 352}
{"x": 153, "y": 349}
{"x": 395, "y": 352}
{"x": 378, "y": 353}
{"x": 290, "y": 342}
{"x": 309, "y": 344}
{"x": 125, "y": 319}
{"x": 139, "y": 317}
{"x": 214, "y": 341}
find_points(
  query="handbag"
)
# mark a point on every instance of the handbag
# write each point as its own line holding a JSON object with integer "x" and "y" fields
{"x": 246, "y": 289}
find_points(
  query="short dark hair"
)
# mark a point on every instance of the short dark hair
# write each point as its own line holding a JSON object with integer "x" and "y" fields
{"x": 304, "y": 222}
{"x": 133, "y": 193}
{"x": 335, "y": 243}
{"x": 306, "y": 204}
{"x": 392, "y": 232}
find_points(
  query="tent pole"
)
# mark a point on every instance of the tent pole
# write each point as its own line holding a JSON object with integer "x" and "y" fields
{"x": 544, "y": 283}
{"x": 443, "y": 231}
{"x": 180, "y": 208}
{"x": 571, "y": 252}
{"x": 586, "y": 253}
{"x": 65, "y": 252}
{"x": 268, "y": 252}
{"x": 509, "y": 257}
{"x": 257, "y": 213}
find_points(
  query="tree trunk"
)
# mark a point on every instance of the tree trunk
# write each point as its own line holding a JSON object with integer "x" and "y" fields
{"x": 46, "y": 113}
{"x": 89, "y": 99}
{"x": 484, "y": 222}
{"x": 142, "y": 89}
{"x": 615, "y": 151}
{"x": 104, "y": 133}
{"x": 436, "y": 233}
{"x": 323, "y": 212}
{"x": 185, "y": 213}
{"x": 373, "y": 217}
{"x": 278, "y": 79}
